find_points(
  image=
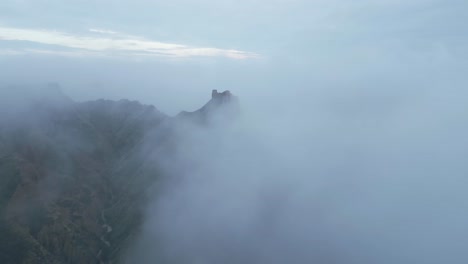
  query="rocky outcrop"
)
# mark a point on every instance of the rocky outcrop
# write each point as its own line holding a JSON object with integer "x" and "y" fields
{"x": 222, "y": 106}
{"x": 224, "y": 95}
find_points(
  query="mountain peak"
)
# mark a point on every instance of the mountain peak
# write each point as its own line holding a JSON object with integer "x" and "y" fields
{"x": 216, "y": 95}
{"x": 223, "y": 104}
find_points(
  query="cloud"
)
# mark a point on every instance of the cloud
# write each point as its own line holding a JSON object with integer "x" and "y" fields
{"x": 117, "y": 44}
{"x": 102, "y": 31}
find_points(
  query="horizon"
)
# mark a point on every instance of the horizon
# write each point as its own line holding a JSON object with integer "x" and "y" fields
{"x": 156, "y": 51}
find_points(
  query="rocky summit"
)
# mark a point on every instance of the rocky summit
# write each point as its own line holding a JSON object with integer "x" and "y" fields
{"x": 223, "y": 106}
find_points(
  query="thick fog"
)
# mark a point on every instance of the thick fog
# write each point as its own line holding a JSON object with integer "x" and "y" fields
{"x": 350, "y": 178}
{"x": 350, "y": 147}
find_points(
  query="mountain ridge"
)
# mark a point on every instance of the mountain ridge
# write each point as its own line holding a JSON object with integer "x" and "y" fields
{"x": 75, "y": 177}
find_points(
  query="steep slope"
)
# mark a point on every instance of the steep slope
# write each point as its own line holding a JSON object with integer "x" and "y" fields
{"x": 74, "y": 176}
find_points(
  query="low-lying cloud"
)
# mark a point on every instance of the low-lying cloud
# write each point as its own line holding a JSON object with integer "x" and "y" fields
{"x": 373, "y": 183}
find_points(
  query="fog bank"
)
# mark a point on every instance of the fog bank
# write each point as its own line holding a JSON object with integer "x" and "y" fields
{"x": 369, "y": 178}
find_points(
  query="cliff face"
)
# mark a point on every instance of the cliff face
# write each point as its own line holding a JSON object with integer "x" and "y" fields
{"x": 74, "y": 177}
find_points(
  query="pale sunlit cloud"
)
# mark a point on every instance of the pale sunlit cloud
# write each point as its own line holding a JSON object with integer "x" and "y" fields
{"x": 115, "y": 43}
{"x": 102, "y": 31}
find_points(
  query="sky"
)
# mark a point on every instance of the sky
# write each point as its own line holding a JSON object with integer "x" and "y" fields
{"x": 352, "y": 148}
{"x": 173, "y": 53}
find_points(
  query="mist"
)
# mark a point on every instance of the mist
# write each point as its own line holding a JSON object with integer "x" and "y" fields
{"x": 364, "y": 177}
{"x": 350, "y": 145}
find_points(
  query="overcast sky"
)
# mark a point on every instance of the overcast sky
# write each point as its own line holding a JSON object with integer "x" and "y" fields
{"x": 172, "y": 53}
{"x": 359, "y": 106}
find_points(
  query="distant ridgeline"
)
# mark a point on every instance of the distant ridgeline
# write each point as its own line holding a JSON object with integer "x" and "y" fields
{"x": 74, "y": 176}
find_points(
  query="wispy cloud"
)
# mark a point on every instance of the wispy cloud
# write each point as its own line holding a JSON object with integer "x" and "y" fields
{"x": 102, "y": 31}
{"x": 111, "y": 42}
